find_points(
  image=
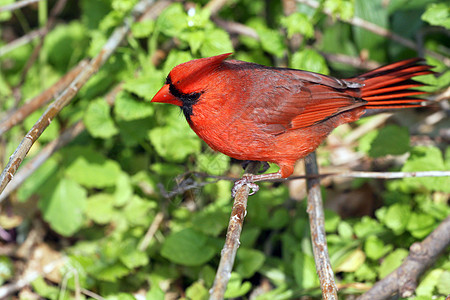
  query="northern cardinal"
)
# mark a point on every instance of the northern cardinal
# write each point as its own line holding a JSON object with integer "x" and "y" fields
{"x": 254, "y": 112}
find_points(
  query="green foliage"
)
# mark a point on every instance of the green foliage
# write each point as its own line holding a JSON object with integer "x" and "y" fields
{"x": 102, "y": 193}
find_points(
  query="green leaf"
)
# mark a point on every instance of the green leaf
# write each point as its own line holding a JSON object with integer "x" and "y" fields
{"x": 420, "y": 225}
{"x": 128, "y": 108}
{"x": 213, "y": 163}
{"x": 373, "y": 12}
{"x": 375, "y": 247}
{"x": 392, "y": 262}
{"x": 442, "y": 284}
{"x": 332, "y": 220}
{"x": 438, "y": 14}
{"x": 137, "y": 211}
{"x": 131, "y": 256}
{"x": 428, "y": 283}
{"x": 187, "y": 247}
{"x": 236, "y": 288}
{"x": 64, "y": 206}
{"x": 143, "y": 29}
{"x": 6, "y": 269}
{"x": 98, "y": 119}
{"x": 298, "y": 23}
{"x": 309, "y": 60}
{"x": 396, "y": 217}
{"x": 90, "y": 168}
{"x": 270, "y": 39}
{"x": 345, "y": 230}
{"x": 65, "y": 45}
{"x": 249, "y": 261}
{"x": 145, "y": 86}
{"x": 173, "y": 20}
{"x": 212, "y": 220}
{"x": 175, "y": 141}
{"x": 112, "y": 272}
{"x": 305, "y": 271}
{"x": 383, "y": 145}
{"x": 123, "y": 191}
{"x": 174, "y": 59}
{"x": 217, "y": 41}
{"x": 44, "y": 289}
{"x": 426, "y": 159}
{"x": 367, "y": 226}
{"x": 365, "y": 273}
{"x": 197, "y": 291}
{"x": 99, "y": 208}
{"x": 42, "y": 175}
{"x": 352, "y": 261}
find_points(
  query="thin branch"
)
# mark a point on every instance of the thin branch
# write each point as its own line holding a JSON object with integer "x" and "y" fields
{"x": 151, "y": 231}
{"x": 356, "y": 21}
{"x": 65, "y": 98}
{"x": 350, "y": 174}
{"x": 228, "y": 253}
{"x": 318, "y": 236}
{"x": 23, "y": 40}
{"x": 13, "y": 287}
{"x": 13, "y": 117}
{"x": 236, "y": 28}
{"x": 25, "y": 172}
{"x": 422, "y": 255}
{"x": 17, "y": 5}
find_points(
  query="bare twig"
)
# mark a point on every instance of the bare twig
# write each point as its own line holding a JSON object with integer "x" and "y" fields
{"x": 13, "y": 287}
{"x": 151, "y": 231}
{"x": 236, "y": 28}
{"x": 110, "y": 46}
{"x": 67, "y": 136}
{"x": 422, "y": 255}
{"x": 228, "y": 253}
{"x": 356, "y": 21}
{"x": 17, "y": 5}
{"x": 23, "y": 40}
{"x": 14, "y": 117}
{"x": 318, "y": 236}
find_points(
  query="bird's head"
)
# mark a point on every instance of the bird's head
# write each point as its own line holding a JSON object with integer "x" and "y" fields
{"x": 184, "y": 84}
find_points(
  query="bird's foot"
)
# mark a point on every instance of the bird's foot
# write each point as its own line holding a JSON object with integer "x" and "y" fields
{"x": 245, "y": 180}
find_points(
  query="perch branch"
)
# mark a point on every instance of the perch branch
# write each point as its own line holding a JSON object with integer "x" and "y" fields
{"x": 228, "y": 253}
{"x": 318, "y": 236}
{"x": 68, "y": 94}
{"x": 421, "y": 256}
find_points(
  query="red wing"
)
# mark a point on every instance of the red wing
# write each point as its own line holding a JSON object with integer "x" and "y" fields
{"x": 303, "y": 100}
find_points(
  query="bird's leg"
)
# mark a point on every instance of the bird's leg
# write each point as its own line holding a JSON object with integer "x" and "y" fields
{"x": 265, "y": 165}
{"x": 250, "y": 179}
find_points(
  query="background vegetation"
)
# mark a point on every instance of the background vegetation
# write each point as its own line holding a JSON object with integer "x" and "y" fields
{"x": 102, "y": 205}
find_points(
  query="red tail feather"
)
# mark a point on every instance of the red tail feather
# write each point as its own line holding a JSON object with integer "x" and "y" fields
{"x": 390, "y": 86}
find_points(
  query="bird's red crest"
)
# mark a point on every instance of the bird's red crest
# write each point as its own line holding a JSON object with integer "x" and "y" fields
{"x": 185, "y": 75}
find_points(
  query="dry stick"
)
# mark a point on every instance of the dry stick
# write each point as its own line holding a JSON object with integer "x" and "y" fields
{"x": 13, "y": 117}
{"x": 26, "y": 171}
{"x": 228, "y": 253}
{"x": 110, "y": 46}
{"x": 12, "y": 288}
{"x": 151, "y": 231}
{"x": 17, "y": 5}
{"x": 421, "y": 256}
{"x": 318, "y": 236}
{"x": 356, "y": 21}
{"x": 22, "y": 40}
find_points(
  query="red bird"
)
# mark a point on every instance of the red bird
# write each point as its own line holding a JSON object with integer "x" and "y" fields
{"x": 254, "y": 112}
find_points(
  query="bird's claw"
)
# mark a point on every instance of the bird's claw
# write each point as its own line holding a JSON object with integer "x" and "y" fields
{"x": 246, "y": 180}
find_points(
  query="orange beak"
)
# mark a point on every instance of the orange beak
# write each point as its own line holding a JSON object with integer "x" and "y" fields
{"x": 164, "y": 96}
